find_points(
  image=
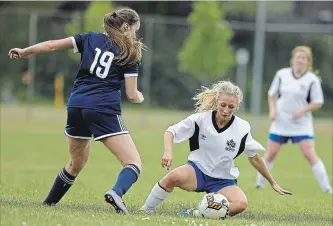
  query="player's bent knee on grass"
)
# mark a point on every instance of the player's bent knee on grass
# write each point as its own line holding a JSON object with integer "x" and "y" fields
{"x": 217, "y": 137}
{"x": 182, "y": 177}
{"x": 237, "y": 199}
{"x": 237, "y": 206}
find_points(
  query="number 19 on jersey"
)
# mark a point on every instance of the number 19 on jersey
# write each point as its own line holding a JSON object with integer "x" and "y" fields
{"x": 104, "y": 60}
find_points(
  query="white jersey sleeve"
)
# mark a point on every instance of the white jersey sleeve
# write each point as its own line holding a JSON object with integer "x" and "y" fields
{"x": 252, "y": 146}
{"x": 184, "y": 129}
{"x": 274, "y": 88}
{"x": 316, "y": 93}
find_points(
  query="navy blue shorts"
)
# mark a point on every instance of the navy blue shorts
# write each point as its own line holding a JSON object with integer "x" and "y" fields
{"x": 209, "y": 184}
{"x": 87, "y": 123}
{"x": 283, "y": 139}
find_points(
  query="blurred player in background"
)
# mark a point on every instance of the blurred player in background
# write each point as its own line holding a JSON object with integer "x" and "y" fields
{"x": 93, "y": 109}
{"x": 217, "y": 137}
{"x": 294, "y": 93}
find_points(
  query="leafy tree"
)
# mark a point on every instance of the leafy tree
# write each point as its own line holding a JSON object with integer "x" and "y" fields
{"x": 206, "y": 51}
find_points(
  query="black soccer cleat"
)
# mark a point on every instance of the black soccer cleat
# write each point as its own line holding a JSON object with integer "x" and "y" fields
{"x": 116, "y": 201}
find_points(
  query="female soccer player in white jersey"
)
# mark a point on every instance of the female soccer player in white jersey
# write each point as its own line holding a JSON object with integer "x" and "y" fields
{"x": 294, "y": 93}
{"x": 93, "y": 109}
{"x": 216, "y": 138}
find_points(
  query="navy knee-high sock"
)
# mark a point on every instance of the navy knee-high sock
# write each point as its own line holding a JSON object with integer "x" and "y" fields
{"x": 127, "y": 177}
{"x": 61, "y": 185}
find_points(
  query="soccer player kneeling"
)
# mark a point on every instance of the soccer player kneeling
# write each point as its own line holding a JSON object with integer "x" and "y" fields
{"x": 217, "y": 137}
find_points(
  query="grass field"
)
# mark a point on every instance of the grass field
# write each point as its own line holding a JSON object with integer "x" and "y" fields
{"x": 34, "y": 150}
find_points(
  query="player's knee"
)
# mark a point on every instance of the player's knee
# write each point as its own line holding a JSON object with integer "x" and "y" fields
{"x": 238, "y": 207}
{"x": 242, "y": 205}
{"x": 269, "y": 158}
{"x": 133, "y": 160}
{"x": 311, "y": 157}
{"x": 307, "y": 155}
{"x": 173, "y": 179}
{"x": 270, "y": 155}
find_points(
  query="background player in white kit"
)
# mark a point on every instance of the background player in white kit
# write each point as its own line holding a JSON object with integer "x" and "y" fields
{"x": 294, "y": 93}
{"x": 216, "y": 138}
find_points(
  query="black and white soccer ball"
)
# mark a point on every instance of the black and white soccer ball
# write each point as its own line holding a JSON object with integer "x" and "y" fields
{"x": 214, "y": 206}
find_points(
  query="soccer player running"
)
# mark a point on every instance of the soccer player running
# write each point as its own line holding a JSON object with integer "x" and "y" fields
{"x": 294, "y": 93}
{"x": 93, "y": 109}
{"x": 216, "y": 138}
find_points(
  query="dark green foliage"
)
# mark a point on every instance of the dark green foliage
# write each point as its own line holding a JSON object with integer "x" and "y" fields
{"x": 206, "y": 51}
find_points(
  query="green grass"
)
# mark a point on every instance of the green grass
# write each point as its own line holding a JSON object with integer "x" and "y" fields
{"x": 34, "y": 149}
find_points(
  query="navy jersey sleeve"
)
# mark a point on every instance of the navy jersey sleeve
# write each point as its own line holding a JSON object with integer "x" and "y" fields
{"x": 131, "y": 70}
{"x": 78, "y": 42}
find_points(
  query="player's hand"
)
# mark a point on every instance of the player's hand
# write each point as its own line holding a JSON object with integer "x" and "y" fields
{"x": 297, "y": 115}
{"x": 272, "y": 114}
{"x": 167, "y": 159}
{"x": 141, "y": 98}
{"x": 16, "y": 53}
{"x": 281, "y": 191}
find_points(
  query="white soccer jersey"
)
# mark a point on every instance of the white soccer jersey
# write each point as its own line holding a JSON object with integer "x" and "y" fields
{"x": 213, "y": 150}
{"x": 292, "y": 95}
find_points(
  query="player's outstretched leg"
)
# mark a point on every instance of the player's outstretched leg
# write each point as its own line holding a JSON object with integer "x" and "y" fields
{"x": 123, "y": 147}
{"x": 183, "y": 177}
{"x": 79, "y": 153}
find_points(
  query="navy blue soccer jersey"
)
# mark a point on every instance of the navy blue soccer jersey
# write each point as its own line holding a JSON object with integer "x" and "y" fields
{"x": 98, "y": 81}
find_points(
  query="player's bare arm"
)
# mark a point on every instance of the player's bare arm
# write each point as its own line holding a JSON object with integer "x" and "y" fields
{"x": 312, "y": 107}
{"x": 259, "y": 164}
{"x": 272, "y": 107}
{"x": 307, "y": 108}
{"x": 43, "y": 47}
{"x": 131, "y": 89}
{"x": 167, "y": 155}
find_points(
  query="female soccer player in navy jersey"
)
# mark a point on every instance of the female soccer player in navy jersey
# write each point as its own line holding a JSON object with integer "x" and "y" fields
{"x": 216, "y": 137}
{"x": 93, "y": 109}
{"x": 294, "y": 93}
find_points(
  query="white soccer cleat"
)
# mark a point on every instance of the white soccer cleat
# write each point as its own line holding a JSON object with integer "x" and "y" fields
{"x": 143, "y": 209}
{"x": 116, "y": 201}
{"x": 259, "y": 186}
{"x": 329, "y": 191}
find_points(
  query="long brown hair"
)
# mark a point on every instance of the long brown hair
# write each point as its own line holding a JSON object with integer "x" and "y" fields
{"x": 130, "y": 47}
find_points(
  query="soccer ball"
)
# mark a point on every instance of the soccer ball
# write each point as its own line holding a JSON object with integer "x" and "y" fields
{"x": 214, "y": 206}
